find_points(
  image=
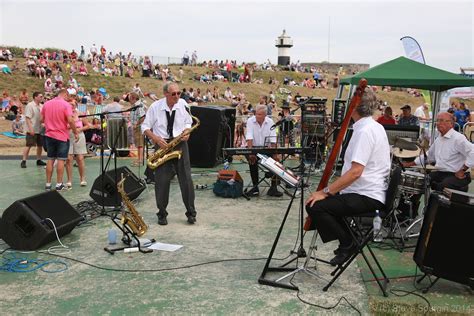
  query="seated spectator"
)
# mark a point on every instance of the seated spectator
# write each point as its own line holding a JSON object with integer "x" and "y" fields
{"x": 387, "y": 117}
{"x": 228, "y": 96}
{"x": 208, "y": 96}
{"x": 216, "y": 93}
{"x": 58, "y": 78}
{"x": 83, "y": 70}
{"x": 18, "y": 128}
{"x": 23, "y": 98}
{"x": 48, "y": 85}
{"x": 406, "y": 118}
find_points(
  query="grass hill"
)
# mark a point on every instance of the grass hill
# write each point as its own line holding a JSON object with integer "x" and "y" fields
{"x": 116, "y": 86}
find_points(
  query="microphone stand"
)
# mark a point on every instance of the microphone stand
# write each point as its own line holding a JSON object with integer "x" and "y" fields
{"x": 113, "y": 152}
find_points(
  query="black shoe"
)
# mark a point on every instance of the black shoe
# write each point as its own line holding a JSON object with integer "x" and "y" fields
{"x": 253, "y": 192}
{"x": 149, "y": 181}
{"x": 274, "y": 192}
{"x": 23, "y": 164}
{"x": 191, "y": 219}
{"x": 342, "y": 255}
{"x": 162, "y": 220}
{"x": 40, "y": 163}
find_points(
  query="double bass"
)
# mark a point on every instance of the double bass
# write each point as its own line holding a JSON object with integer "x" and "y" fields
{"x": 355, "y": 101}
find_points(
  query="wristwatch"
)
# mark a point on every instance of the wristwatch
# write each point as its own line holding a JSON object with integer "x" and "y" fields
{"x": 326, "y": 191}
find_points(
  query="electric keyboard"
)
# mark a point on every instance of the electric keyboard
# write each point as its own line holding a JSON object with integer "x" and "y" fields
{"x": 266, "y": 151}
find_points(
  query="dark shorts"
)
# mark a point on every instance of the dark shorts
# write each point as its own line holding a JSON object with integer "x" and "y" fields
{"x": 34, "y": 140}
{"x": 56, "y": 149}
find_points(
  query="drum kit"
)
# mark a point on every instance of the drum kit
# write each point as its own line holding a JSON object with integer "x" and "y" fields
{"x": 414, "y": 183}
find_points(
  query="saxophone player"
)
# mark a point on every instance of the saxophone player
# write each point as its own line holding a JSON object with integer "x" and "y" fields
{"x": 166, "y": 119}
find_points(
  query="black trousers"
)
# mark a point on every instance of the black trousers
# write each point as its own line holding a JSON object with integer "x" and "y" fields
{"x": 442, "y": 179}
{"x": 327, "y": 215}
{"x": 163, "y": 176}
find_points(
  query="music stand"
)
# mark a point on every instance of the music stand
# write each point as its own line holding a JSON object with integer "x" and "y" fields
{"x": 297, "y": 183}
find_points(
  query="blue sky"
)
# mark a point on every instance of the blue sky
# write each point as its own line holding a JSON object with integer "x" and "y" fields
{"x": 355, "y": 31}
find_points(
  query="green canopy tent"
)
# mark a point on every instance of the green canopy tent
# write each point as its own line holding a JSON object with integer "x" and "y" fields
{"x": 404, "y": 72}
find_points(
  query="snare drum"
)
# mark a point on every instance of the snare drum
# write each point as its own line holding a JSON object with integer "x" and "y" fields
{"x": 117, "y": 134}
{"x": 412, "y": 182}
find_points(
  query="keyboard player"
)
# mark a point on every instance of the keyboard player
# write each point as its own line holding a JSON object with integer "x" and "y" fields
{"x": 259, "y": 133}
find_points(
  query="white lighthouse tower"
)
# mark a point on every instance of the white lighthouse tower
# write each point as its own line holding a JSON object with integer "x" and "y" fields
{"x": 284, "y": 43}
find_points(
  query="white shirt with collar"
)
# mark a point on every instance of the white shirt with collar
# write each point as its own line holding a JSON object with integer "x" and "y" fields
{"x": 156, "y": 120}
{"x": 369, "y": 147}
{"x": 450, "y": 152}
{"x": 260, "y": 135}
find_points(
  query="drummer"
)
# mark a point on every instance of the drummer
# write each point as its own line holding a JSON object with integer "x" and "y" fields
{"x": 452, "y": 154}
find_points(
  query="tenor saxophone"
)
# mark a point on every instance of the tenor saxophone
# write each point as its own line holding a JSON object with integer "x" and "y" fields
{"x": 131, "y": 218}
{"x": 162, "y": 155}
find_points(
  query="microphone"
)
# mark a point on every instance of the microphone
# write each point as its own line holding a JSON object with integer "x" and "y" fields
{"x": 281, "y": 121}
{"x": 277, "y": 124}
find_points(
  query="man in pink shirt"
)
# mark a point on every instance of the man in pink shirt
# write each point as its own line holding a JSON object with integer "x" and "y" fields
{"x": 57, "y": 117}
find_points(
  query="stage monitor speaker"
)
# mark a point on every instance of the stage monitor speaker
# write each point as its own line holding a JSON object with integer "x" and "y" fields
{"x": 24, "y": 224}
{"x": 106, "y": 194}
{"x": 445, "y": 248}
{"x": 214, "y": 133}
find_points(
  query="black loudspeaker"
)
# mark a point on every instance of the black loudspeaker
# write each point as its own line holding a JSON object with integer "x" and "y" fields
{"x": 24, "y": 224}
{"x": 215, "y": 132}
{"x": 445, "y": 248}
{"x": 108, "y": 195}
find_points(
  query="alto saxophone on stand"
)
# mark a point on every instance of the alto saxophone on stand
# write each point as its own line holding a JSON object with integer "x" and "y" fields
{"x": 162, "y": 155}
{"x": 131, "y": 223}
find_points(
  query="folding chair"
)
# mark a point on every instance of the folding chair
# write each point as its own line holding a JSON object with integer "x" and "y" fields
{"x": 362, "y": 236}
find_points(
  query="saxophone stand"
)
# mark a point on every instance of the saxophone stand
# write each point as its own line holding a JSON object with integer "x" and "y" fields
{"x": 127, "y": 238}
{"x": 300, "y": 253}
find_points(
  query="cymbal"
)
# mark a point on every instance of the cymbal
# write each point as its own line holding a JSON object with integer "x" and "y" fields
{"x": 404, "y": 144}
{"x": 403, "y": 153}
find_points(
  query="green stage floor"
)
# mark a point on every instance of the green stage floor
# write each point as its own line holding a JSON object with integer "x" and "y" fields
{"x": 215, "y": 272}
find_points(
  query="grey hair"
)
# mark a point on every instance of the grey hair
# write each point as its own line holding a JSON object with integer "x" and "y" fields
{"x": 261, "y": 107}
{"x": 368, "y": 103}
{"x": 167, "y": 85}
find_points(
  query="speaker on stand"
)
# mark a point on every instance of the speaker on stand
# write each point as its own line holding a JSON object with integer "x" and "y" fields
{"x": 106, "y": 194}
{"x": 26, "y": 225}
{"x": 206, "y": 142}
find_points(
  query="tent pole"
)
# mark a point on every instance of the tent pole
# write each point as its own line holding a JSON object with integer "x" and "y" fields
{"x": 436, "y": 104}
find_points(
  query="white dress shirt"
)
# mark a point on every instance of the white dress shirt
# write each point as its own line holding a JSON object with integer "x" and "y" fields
{"x": 260, "y": 135}
{"x": 450, "y": 152}
{"x": 157, "y": 122}
{"x": 369, "y": 147}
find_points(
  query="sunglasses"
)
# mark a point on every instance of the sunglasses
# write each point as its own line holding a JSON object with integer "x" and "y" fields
{"x": 175, "y": 93}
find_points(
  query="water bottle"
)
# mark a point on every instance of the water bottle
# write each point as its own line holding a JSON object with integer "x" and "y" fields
{"x": 377, "y": 227}
{"x": 226, "y": 165}
{"x": 112, "y": 236}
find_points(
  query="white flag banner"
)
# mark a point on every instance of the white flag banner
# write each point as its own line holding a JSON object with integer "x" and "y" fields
{"x": 412, "y": 49}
